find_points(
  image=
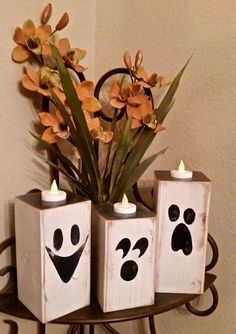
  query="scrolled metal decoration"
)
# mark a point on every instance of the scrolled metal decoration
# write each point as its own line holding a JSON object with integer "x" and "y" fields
{"x": 13, "y": 326}
{"x": 10, "y": 286}
{"x": 215, "y": 253}
{"x": 215, "y": 298}
{"x": 208, "y": 311}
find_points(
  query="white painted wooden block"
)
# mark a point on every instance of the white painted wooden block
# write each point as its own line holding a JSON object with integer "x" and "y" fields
{"x": 182, "y": 208}
{"x": 53, "y": 255}
{"x": 123, "y": 258}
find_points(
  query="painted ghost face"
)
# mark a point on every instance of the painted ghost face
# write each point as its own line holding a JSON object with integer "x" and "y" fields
{"x": 181, "y": 237}
{"x": 66, "y": 265}
{"x": 129, "y": 269}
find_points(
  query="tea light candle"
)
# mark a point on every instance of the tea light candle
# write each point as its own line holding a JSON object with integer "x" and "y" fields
{"x": 53, "y": 195}
{"x": 124, "y": 207}
{"x": 181, "y": 173}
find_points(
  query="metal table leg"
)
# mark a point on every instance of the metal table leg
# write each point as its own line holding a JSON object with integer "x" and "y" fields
{"x": 91, "y": 329}
{"x": 152, "y": 325}
{"x": 41, "y": 328}
{"x": 81, "y": 329}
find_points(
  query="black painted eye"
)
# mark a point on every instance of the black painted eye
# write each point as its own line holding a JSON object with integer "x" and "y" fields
{"x": 57, "y": 239}
{"x": 142, "y": 245}
{"x": 75, "y": 235}
{"x": 125, "y": 245}
{"x": 173, "y": 212}
{"x": 189, "y": 216}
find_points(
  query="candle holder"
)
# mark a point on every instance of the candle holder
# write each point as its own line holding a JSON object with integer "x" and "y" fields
{"x": 182, "y": 207}
{"x": 53, "y": 255}
{"x": 123, "y": 248}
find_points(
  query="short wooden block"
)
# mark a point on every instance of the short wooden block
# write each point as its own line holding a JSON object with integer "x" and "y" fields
{"x": 123, "y": 258}
{"x": 53, "y": 255}
{"x": 182, "y": 208}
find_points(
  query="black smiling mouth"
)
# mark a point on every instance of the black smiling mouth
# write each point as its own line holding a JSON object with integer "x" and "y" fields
{"x": 66, "y": 265}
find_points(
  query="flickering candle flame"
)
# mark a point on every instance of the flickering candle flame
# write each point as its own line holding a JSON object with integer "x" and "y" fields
{"x": 125, "y": 200}
{"x": 124, "y": 207}
{"x": 54, "y": 187}
{"x": 181, "y": 166}
{"x": 181, "y": 173}
{"x": 53, "y": 195}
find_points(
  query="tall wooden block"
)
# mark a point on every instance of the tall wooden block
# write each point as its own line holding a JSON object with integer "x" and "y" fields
{"x": 53, "y": 255}
{"x": 182, "y": 207}
{"x": 123, "y": 258}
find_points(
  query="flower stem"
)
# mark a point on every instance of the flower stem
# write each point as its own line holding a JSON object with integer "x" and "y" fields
{"x": 113, "y": 124}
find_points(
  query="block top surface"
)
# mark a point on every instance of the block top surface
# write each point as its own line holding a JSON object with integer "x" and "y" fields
{"x": 34, "y": 200}
{"x": 164, "y": 175}
{"x": 108, "y": 213}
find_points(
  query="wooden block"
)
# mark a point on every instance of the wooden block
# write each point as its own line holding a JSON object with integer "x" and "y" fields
{"x": 123, "y": 258}
{"x": 182, "y": 208}
{"x": 53, "y": 255}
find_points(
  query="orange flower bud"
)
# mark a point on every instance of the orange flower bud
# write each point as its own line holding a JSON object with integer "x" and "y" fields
{"x": 138, "y": 59}
{"x": 153, "y": 80}
{"x": 46, "y": 14}
{"x": 62, "y": 22}
{"x": 127, "y": 60}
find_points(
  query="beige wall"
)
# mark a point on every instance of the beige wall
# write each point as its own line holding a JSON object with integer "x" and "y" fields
{"x": 200, "y": 128}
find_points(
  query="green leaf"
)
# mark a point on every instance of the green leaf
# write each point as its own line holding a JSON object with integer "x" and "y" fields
{"x": 83, "y": 190}
{"x": 167, "y": 102}
{"x": 132, "y": 177}
{"x": 68, "y": 166}
{"x": 58, "y": 154}
{"x": 87, "y": 151}
{"x": 65, "y": 114}
{"x": 146, "y": 137}
{"x": 109, "y": 146}
{"x": 121, "y": 153}
{"x": 134, "y": 157}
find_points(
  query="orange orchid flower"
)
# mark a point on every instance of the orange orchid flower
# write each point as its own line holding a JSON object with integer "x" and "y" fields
{"x": 56, "y": 126}
{"x": 144, "y": 79}
{"x": 30, "y": 40}
{"x": 128, "y": 96}
{"x": 72, "y": 57}
{"x": 85, "y": 93}
{"x": 40, "y": 80}
{"x": 144, "y": 115}
{"x": 147, "y": 81}
{"x": 96, "y": 130}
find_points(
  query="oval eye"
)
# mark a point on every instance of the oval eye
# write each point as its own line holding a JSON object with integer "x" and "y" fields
{"x": 124, "y": 245}
{"x": 75, "y": 235}
{"x": 189, "y": 216}
{"x": 142, "y": 245}
{"x": 173, "y": 212}
{"x": 57, "y": 239}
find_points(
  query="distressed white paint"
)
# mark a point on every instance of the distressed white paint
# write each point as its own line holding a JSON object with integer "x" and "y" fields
{"x": 114, "y": 293}
{"x": 40, "y": 288}
{"x": 175, "y": 271}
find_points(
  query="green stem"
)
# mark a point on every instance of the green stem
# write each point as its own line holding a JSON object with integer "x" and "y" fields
{"x": 113, "y": 124}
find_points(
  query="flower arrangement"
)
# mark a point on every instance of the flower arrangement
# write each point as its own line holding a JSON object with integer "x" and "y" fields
{"x": 72, "y": 113}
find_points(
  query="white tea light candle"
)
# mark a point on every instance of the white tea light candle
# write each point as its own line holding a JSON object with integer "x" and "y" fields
{"x": 124, "y": 207}
{"x": 181, "y": 173}
{"x": 53, "y": 195}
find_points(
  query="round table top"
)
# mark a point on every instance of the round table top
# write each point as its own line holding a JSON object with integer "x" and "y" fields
{"x": 93, "y": 314}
